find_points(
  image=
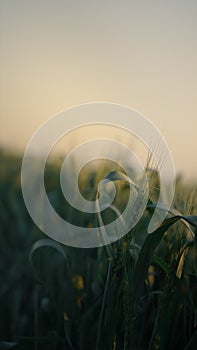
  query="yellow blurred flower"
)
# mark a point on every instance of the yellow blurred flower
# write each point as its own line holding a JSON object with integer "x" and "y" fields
{"x": 66, "y": 318}
{"x": 78, "y": 282}
{"x": 150, "y": 278}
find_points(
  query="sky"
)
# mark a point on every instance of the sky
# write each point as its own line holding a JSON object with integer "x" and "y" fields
{"x": 138, "y": 53}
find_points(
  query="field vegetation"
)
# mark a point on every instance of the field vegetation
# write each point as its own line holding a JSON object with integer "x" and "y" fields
{"x": 139, "y": 293}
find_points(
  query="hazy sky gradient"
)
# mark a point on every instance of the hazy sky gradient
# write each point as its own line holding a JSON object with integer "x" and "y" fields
{"x": 55, "y": 54}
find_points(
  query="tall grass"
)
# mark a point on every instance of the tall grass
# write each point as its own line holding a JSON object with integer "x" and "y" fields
{"x": 138, "y": 293}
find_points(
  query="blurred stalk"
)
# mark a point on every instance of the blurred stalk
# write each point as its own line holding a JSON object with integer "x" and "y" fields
{"x": 36, "y": 317}
{"x": 103, "y": 304}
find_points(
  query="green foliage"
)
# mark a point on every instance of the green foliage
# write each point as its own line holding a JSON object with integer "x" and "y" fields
{"x": 137, "y": 293}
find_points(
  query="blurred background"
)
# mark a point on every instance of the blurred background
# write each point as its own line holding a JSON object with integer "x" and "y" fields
{"x": 143, "y": 54}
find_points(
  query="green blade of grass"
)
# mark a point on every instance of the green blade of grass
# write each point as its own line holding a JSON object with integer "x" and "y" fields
{"x": 187, "y": 220}
{"x": 147, "y": 251}
{"x": 42, "y": 243}
{"x": 191, "y": 219}
{"x": 118, "y": 175}
{"x": 150, "y": 244}
{"x": 162, "y": 263}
